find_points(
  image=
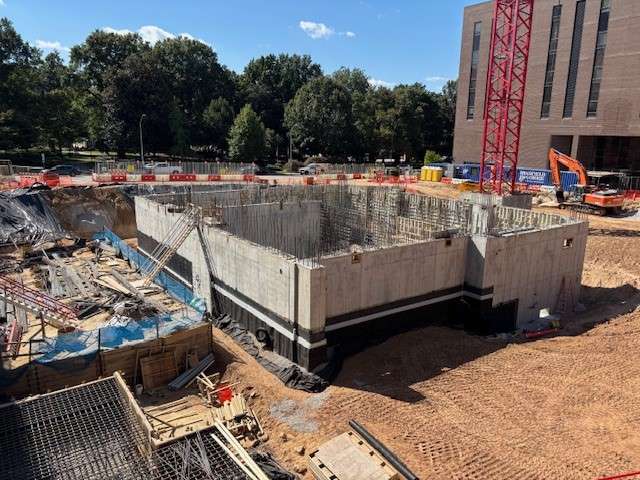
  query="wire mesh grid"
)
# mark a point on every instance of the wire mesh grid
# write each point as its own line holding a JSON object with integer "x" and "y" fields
{"x": 79, "y": 433}
{"x": 197, "y": 457}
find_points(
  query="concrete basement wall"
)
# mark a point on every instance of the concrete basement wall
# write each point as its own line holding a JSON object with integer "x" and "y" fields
{"x": 392, "y": 274}
{"x": 266, "y": 285}
{"x": 529, "y": 267}
{"x": 258, "y": 273}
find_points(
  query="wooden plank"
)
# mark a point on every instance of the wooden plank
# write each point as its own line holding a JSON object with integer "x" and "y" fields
{"x": 135, "y": 409}
{"x": 158, "y": 370}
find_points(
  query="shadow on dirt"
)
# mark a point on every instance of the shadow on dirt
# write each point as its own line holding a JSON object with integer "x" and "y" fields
{"x": 392, "y": 366}
{"x": 607, "y": 232}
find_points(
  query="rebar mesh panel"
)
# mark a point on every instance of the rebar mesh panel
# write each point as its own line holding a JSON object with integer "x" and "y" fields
{"x": 197, "y": 457}
{"x": 81, "y": 433}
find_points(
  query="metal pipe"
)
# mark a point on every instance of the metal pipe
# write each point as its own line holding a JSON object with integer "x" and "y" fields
{"x": 388, "y": 455}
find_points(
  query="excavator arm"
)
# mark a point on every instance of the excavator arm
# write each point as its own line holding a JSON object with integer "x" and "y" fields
{"x": 557, "y": 158}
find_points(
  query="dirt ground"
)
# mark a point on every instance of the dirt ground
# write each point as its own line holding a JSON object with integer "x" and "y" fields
{"x": 456, "y": 406}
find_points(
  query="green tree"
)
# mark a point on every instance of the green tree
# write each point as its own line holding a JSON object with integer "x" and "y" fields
{"x": 101, "y": 56}
{"x": 418, "y": 120}
{"x": 268, "y": 83}
{"x": 274, "y": 141}
{"x": 319, "y": 117}
{"x": 18, "y": 82}
{"x": 194, "y": 78}
{"x": 363, "y": 110}
{"x": 180, "y": 144}
{"x": 218, "y": 118}
{"x": 61, "y": 120}
{"x": 139, "y": 87}
{"x": 431, "y": 157}
{"x": 385, "y": 114}
{"x": 246, "y": 137}
{"x": 447, "y": 101}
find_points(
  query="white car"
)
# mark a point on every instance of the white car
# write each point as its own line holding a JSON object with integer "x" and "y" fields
{"x": 312, "y": 169}
{"x": 162, "y": 168}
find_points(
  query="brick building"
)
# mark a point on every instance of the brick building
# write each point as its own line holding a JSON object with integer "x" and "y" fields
{"x": 583, "y": 86}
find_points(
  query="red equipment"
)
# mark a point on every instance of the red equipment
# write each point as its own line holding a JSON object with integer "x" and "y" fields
{"x": 504, "y": 101}
{"x": 586, "y": 198}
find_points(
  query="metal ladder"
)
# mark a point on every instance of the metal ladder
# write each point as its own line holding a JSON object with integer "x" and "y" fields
{"x": 54, "y": 312}
{"x": 208, "y": 257}
{"x": 178, "y": 233}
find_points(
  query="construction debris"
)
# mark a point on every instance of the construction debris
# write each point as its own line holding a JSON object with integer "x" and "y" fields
{"x": 229, "y": 444}
{"x": 231, "y": 409}
{"x": 190, "y": 375}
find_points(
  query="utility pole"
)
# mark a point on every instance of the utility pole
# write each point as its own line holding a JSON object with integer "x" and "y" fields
{"x": 142, "y": 117}
{"x": 290, "y": 147}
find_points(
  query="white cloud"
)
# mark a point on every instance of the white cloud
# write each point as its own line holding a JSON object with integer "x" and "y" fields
{"x": 191, "y": 37}
{"x": 436, "y": 79}
{"x": 46, "y": 45}
{"x": 320, "y": 30}
{"x": 124, "y": 31}
{"x": 2, "y": 4}
{"x": 374, "y": 82}
{"x": 316, "y": 30}
{"x": 152, "y": 34}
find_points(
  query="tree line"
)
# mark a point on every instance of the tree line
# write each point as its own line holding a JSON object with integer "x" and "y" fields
{"x": 188, "y": 103}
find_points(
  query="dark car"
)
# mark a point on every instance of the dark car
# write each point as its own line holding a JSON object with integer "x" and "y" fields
{"x": 65, "y": 170}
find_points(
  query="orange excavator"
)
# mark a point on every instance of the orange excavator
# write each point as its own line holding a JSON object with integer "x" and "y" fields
{"x": 585, "y": 198}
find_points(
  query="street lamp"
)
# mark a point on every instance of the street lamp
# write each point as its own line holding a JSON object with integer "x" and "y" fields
{"x": 291, "y": 142}
{"x": 142, "y": 117}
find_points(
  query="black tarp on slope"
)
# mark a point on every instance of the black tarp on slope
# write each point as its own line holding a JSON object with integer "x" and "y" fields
{"x": 26, "y": 217}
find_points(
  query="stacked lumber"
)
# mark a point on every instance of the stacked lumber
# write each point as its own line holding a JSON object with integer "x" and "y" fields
{"x": 350, "y": 457}
{"x": 225, "y": 439}
{"x": 229, "y": 407}
{"x": 238, "y": 417}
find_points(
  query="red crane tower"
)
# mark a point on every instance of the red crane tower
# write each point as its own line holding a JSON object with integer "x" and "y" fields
{"x": 504, "y": 101}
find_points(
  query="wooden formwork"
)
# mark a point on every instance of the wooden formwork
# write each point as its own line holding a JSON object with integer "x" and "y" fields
{"x": 35, "y": 378}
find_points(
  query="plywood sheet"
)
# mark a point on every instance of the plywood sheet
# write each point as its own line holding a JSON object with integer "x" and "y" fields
{"x": 158, "y": 370}
{"x": 348, "y": 457}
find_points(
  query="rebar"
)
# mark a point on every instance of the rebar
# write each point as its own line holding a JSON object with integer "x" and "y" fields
{"x": 312, "y": 222}
{"x": 85, "y": 433}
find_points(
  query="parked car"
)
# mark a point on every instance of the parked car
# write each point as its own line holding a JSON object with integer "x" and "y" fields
{"x": 254, "y": 170}
{"x": 162, "y": 168}
{"x": 64, "y": 170}
{"x": 312, "y": 169}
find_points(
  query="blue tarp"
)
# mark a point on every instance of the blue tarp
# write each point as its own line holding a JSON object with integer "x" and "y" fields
{"x": 125, "y": 332}
{"x": 81, "y": 343}
{"x": 173, "y": 287}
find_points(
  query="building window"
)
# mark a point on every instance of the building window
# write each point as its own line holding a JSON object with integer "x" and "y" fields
{"x": 473, "y": 80}
{"x": 598, "y": 61}
{"x": 574, "y": 60}
{"x": 551, "y": 61}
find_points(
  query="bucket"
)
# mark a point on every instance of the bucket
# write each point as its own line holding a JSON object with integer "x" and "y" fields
{"x": 224, "y": 395}
{"x": 437, "y": 174}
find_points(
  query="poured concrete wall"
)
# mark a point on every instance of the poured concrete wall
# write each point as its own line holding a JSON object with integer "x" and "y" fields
{"x": 529, "y": 268}
{"x": 271, "y": 289}
{"x": 382, "y": 277}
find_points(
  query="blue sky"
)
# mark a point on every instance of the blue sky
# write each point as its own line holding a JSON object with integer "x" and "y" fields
{"x": 401, "y": 41}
